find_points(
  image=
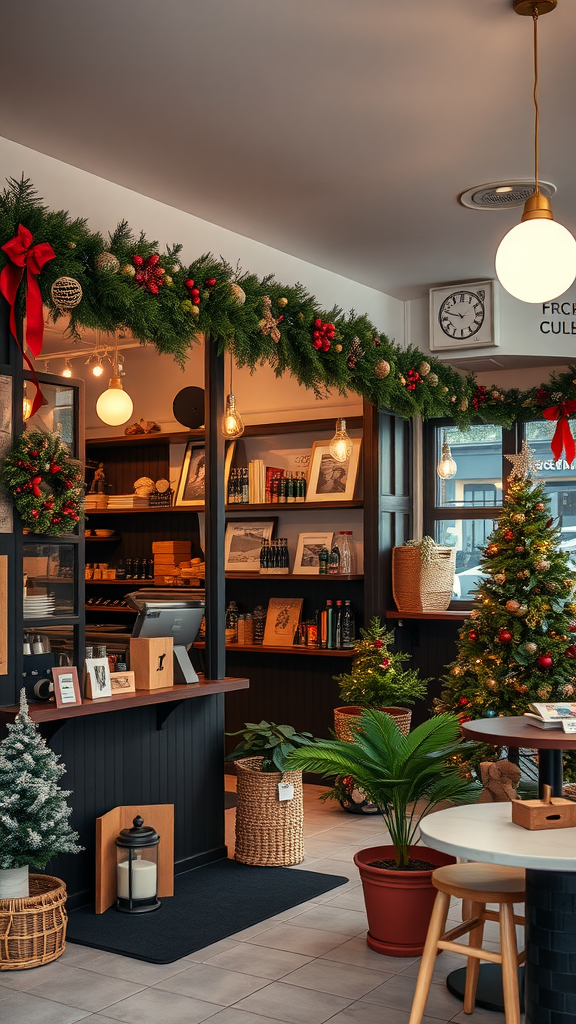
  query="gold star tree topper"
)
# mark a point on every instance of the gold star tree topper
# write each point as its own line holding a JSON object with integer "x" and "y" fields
{"x": 523, "y": 464}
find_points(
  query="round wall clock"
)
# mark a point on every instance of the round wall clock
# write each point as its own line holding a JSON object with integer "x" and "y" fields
{"x": 462, "y": 316}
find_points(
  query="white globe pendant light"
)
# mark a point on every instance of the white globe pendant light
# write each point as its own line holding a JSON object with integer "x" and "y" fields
{"x": 536, "y": 260}
{"x": 114, "y": 406}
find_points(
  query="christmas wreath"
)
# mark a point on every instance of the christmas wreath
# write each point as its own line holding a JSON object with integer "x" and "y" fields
{"x": 44, "y": 483}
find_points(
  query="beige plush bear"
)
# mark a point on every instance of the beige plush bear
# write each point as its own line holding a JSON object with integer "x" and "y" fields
{"x": 500, "y": 780}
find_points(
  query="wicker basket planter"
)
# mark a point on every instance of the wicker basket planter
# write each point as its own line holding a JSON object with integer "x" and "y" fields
{"x": 346, "y": 720}
{"x": 269, "y": 831}
{"x": 33, "y": 928}
{"x": 423, "y": 586}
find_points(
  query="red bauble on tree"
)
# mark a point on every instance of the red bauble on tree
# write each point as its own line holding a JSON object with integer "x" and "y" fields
{"x": 412, "y": 379}
{"x": 473, "y": 634}
{"x": 323, "y": 334}
{"x": 544, "y": 661}
{"x": 148, "y": 273}
{"x": 571, "y": 651}
{"x": 378, "y": 644}
{"x": 508, "y": 534}
{"x": 504, "y": 636}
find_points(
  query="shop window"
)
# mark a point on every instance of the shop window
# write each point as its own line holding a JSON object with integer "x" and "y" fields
{"x": 559, "y": 479}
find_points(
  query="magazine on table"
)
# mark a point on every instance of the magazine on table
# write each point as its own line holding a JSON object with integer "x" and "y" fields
{"x": 551, "y": 715}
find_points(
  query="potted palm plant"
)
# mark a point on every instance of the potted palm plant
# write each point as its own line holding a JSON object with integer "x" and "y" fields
{"x": 377, "y": 680}
{"x": 270, "y": 808}
{"x": 406, "y": 777}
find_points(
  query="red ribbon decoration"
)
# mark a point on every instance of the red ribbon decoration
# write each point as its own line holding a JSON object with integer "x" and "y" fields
{"x": 25, "y": 256}
{"x": 562, "y": 440}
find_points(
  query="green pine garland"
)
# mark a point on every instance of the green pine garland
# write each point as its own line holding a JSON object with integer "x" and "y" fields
{"x": 360, "y": 359}
{"x": 33, "y": 810}
{"x": 44, "y": 483}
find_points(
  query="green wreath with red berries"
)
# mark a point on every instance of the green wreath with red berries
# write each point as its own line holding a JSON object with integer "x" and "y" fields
{"x": 44, "y": 483}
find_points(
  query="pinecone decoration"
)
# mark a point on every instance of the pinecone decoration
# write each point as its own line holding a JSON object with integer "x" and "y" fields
{"x": 356, "y": 352}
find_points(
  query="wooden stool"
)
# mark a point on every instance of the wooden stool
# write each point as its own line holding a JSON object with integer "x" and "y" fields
{"x": 479, "y": 884}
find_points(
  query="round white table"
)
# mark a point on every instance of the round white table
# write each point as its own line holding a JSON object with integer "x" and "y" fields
{"x": 485, "y": 832}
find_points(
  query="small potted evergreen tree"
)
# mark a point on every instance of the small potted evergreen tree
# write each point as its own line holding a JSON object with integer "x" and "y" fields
{"x": 33, "y": 810}
{"x": 377, "y": 680}
{"x": 406, "y": 777}
{"x": 270, "y": 809}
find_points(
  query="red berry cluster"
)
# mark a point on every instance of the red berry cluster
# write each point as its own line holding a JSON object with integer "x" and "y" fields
{"x": 148, "y": 273}
{"x": 479, "y": 397}
{"x": 323, "y": 335}
{"x": 543, "y": 396}
{"x": 412, "y": 379}
{"x": 194, "y": 291}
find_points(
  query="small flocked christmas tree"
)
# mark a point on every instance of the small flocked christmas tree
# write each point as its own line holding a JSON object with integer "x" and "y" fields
{"x": 520, "y": 645}
{"x": 377, "y": 678}
{"x": 33, "y": 810}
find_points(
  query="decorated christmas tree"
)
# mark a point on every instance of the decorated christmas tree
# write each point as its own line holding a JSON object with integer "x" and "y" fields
{"x": 378, "y": 677}
{"x": 519, "y": 646}
{"x": 33, "y": 810}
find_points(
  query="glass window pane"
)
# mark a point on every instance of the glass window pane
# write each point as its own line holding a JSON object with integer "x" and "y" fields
{"x": 57, "y": 415}
{"x": 48, "y": 580}
{"x": 477, "y": 453}
{"x": 559, "y": 479}
{"x": 468, "y": 536}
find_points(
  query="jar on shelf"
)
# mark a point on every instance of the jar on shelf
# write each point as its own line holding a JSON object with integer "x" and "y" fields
{"x": 344, "y": 541}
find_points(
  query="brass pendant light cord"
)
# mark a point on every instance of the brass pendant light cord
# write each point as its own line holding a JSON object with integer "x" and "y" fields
{"x": 536, "y": 108}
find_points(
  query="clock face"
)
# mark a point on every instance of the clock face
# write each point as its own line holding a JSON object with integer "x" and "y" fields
{"x": 462, "y": 314}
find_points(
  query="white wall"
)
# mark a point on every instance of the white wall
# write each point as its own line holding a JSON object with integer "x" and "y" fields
{"x": 152, "y": 380}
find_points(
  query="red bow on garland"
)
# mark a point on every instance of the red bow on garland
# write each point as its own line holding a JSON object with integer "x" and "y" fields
{"x": 25, "y": 256}
{"x": 562, "y": 439}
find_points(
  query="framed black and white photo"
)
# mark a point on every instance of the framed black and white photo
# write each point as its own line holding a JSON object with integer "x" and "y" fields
{"x": 98, "y": 678}
{"x": 192, "y": 483}
{"x": 66, "y": 688}
{"x": 243, "y": 542}
{"x": 328, "y": 479}
{"x": 310, "y": 545}
{"x": 123, "y": 682}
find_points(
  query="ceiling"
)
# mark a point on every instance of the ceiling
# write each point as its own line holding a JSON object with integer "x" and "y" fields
{"x": 340, "y": 131}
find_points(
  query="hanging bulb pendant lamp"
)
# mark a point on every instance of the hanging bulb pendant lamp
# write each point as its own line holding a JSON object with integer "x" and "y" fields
{"x": 114, "y": 406}
{"x": 446, "y": 468}
{"x": 536, "y": 260}
{"x": 232, "y": 425}
{"x": 341, "y": 445}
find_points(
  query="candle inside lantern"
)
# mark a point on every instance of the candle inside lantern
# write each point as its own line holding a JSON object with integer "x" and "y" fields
{"x": 143, "y": 879}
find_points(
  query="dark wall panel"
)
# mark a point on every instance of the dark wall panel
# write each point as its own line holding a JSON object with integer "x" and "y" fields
{"x": 122, "y": 758}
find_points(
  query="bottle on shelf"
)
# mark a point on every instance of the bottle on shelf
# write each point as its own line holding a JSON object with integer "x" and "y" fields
{"x": 129, "y": 573}
{"x": 259, "y": 618}
{"x": 231, "y": 623}
{"x": 329, "y": 624}
{"x": 338, "y": 625}
{"x": 347, "y": 549}
{"x": 348, "y": 627}
{"x": 334, "y": 561}
{"x": 121, "y": 570}
{"x": 38, "y": 645}
{"x": 323, "y": 559}
{"x": 27, "y": 647}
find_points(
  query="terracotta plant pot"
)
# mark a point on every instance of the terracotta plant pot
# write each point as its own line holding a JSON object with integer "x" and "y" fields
{"x": 398, "y": 903}
{"x": 345, "y": 720}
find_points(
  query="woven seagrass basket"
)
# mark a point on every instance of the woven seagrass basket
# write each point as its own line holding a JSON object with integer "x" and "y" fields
{"x": 420, "y": 586}
{"x": 269, "y": 831}
{"x": 33, "y": 928}
{"x": 347, "y": 720}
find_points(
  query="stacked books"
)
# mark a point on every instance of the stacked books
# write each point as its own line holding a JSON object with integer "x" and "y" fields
{"x": 116, "y": 501}
{"x": 551, "y": 715}
{"x": 256, "y": 482}
{"x": 95, "y": 501}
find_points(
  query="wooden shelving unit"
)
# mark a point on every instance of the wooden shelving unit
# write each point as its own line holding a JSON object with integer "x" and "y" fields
{"x": 449, "y": 616}
{"x": 270, "y": 507}
{"x": 265, "y": 649}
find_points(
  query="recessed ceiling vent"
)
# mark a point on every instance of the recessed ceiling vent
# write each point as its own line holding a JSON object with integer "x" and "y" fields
{"x": 499, "y": 194}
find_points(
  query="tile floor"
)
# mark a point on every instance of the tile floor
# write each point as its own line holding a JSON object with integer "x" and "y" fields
{"x": 307, "y": 965}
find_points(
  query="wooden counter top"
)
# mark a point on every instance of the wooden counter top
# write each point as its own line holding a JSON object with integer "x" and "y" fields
{"x": 124, "y": 701}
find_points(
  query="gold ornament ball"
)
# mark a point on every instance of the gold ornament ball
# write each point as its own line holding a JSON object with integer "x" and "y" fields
{"x": 457, "y": 670}
{"x": 463, "y": 405}
{"x": 71, "y": 245}
{"x": 238, "y": 294}
{"x": 382, "y": 369}
{"x": 195, "y": 310}
{"x": 512, "y": 606}
{"x": 402, "y": 379}
{"x": 444, "y": 390}
{"x": 283, "y": 301}
{"x": 491, "y": 684}
{"x": 500, "y": 578}
{"x": 168, "y": 280}
{"x": 129, "y": 270}
{"x": 338, "y": 347}
{"x": 519, "y": 517}
{"x": 433, "y": 379}
{"x": 109, "y": 262}
{"x": 66, "y": 292}
{"x": 424, "y": 369}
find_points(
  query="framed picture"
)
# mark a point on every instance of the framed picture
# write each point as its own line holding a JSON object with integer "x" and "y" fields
{"x": 123, "y": 682}
{"x": 98, "y": 678}
{"x": 192, "y": 483}
{"x": 243, "y": 541}
{"x": 66, "y": 688}
{"x": 329, "y": 480}
{"x": 308, "y": 551}
{"x": 282, "y": 619}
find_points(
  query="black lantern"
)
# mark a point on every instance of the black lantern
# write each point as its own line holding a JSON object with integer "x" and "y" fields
{"x": 137, "y": 868}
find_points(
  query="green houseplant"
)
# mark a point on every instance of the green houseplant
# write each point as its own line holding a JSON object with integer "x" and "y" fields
{"x": 406, "y": 777}
{"x": 270, "y": 808}
{"x": 377, "y": 679}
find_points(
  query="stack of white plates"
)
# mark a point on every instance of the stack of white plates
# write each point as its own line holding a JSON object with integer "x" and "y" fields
{"x": 39, "y": 607}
